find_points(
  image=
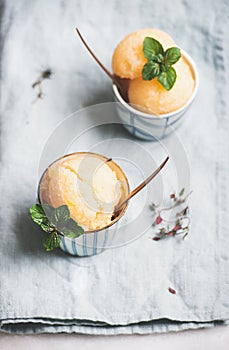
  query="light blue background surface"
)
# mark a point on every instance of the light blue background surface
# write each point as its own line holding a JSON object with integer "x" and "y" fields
{"x": 56, "y": 293}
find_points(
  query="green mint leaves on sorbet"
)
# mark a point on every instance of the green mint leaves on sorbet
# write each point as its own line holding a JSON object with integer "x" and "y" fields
{"x": 160, "y": 62}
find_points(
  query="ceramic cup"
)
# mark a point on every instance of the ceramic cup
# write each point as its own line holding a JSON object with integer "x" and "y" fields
{"x": 96, "y": 241}
{"x": 148, "y": 126}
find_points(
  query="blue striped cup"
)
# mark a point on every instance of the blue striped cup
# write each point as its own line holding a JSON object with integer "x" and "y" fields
{"x": 91, "y": 242}
{"x": 149, "y": 126}
{"x": 95, "y": 241}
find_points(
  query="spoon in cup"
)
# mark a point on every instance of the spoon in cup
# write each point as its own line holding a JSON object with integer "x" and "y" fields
{"x": 121, "y": 83}
{"x": 119, "y": 206}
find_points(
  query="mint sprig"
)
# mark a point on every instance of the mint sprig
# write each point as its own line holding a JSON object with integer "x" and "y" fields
{"x": 160, "y": 62}
{"x": 56, "y": 222}
{"x": 51, "y": 241}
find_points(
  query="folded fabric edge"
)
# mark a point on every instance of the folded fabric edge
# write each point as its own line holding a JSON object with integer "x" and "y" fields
{"x": 96, "y": 328}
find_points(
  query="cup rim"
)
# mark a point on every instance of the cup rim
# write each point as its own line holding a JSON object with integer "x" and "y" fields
{"x": 165, "y": 115}
{"x": 100, "y": 156}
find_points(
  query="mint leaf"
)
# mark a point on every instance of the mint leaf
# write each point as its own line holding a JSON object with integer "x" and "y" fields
{"x": 70, "y": 234}
{"x": 181, "y": 192}
{"x": 48, "y": 210}
{"x": 57, "y": 225}
{"x": 60, "y": 215}
{"x": 151, "y": 48}
{"x": 159, "y": 58}
{"x": 47, "y": 226}
{"x": 39, "y": 217}
{"x": 150, "y": 70}
{"x": 172, "y": 55}
{"x": 167, "y": 78}
{"x": 72, "y": 229}
{"x": 159, "y": 62}
{"x": 51, "y": 241}
{"x": 37, "y": 214}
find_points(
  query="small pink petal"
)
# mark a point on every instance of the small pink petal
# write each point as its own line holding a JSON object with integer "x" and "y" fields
{"x": 172, "y": 291}
{"x": 176, "y": 228}
{"x": 169, "y": 234}
{"x": 158, "y": 220}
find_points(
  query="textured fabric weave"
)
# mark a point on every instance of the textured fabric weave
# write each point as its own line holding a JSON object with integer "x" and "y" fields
{"x": 123, "y": 290}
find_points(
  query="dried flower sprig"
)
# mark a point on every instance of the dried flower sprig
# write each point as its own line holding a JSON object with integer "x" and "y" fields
{"x": 180, "y": 224}
{"x": 46, "y": 74}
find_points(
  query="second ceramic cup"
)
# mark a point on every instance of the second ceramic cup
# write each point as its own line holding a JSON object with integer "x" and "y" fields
{"x": 148, "y": 126}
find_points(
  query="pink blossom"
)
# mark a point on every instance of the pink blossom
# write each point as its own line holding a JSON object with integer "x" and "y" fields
{"x": 169, "y": 234}
{"x": 158, "y": 220}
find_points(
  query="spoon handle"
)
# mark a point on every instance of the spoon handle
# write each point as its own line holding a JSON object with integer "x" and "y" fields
{"x": 94, "y": 56}
{"x": 142, "y": 185}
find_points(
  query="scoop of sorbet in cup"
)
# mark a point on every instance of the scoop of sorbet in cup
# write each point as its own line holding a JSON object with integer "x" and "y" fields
{"x": 152, "y": 111}
{"x": 91, "y": 185}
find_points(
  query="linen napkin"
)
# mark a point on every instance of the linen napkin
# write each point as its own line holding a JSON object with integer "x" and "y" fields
{"x": 123, "y": 290}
